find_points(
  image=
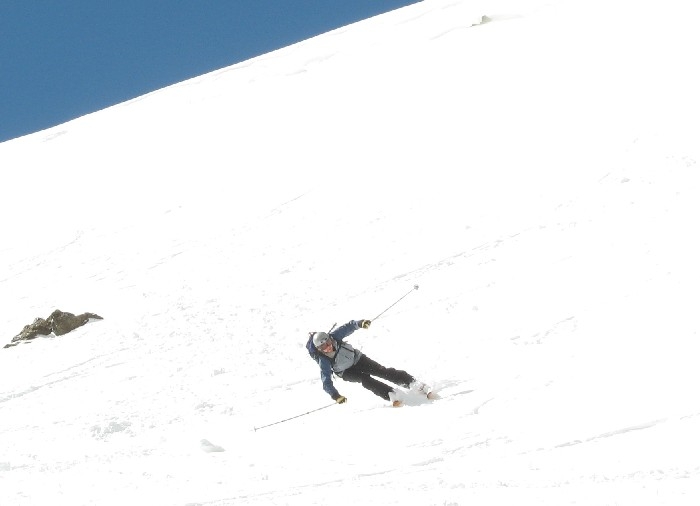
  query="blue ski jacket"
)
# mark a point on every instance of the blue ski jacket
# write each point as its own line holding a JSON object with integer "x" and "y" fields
{"x": 326, "y": 363}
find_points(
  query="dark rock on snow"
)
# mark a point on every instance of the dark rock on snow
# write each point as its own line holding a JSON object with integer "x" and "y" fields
{"x": 58, "y": 323}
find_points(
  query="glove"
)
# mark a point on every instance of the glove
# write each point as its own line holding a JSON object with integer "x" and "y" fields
{"x": 341, "y": 400}
{"x": 364, "y": 324}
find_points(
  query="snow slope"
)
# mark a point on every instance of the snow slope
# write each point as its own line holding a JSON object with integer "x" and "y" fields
{"x": 531, "y": 165}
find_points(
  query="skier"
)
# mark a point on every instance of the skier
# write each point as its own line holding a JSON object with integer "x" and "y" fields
{"x": 336, "y": 356}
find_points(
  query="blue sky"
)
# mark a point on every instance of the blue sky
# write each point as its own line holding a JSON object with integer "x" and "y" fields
{"x": 61, "y": 59}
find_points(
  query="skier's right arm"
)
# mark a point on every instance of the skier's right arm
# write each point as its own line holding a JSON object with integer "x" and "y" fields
{"x": 327, "y": 378}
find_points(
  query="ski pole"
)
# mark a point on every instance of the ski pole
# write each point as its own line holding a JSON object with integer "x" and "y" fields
{"x": 293, "y": 417}
{"x": 415, "y": 287}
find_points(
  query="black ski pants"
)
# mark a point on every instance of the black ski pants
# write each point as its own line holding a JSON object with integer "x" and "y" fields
{"x": 365, "y": 368}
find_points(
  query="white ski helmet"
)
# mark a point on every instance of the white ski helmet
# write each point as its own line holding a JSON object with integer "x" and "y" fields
{"x": 320, "y": 339}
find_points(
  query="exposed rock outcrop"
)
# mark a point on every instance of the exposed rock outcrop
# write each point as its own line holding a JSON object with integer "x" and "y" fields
{"x": 58, "y": 323}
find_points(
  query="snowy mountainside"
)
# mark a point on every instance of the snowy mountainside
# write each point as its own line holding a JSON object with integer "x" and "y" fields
{"x": 534, "y": 174}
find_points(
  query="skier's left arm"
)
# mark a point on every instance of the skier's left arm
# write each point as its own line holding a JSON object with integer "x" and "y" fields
{"x": 345, "y": 330}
